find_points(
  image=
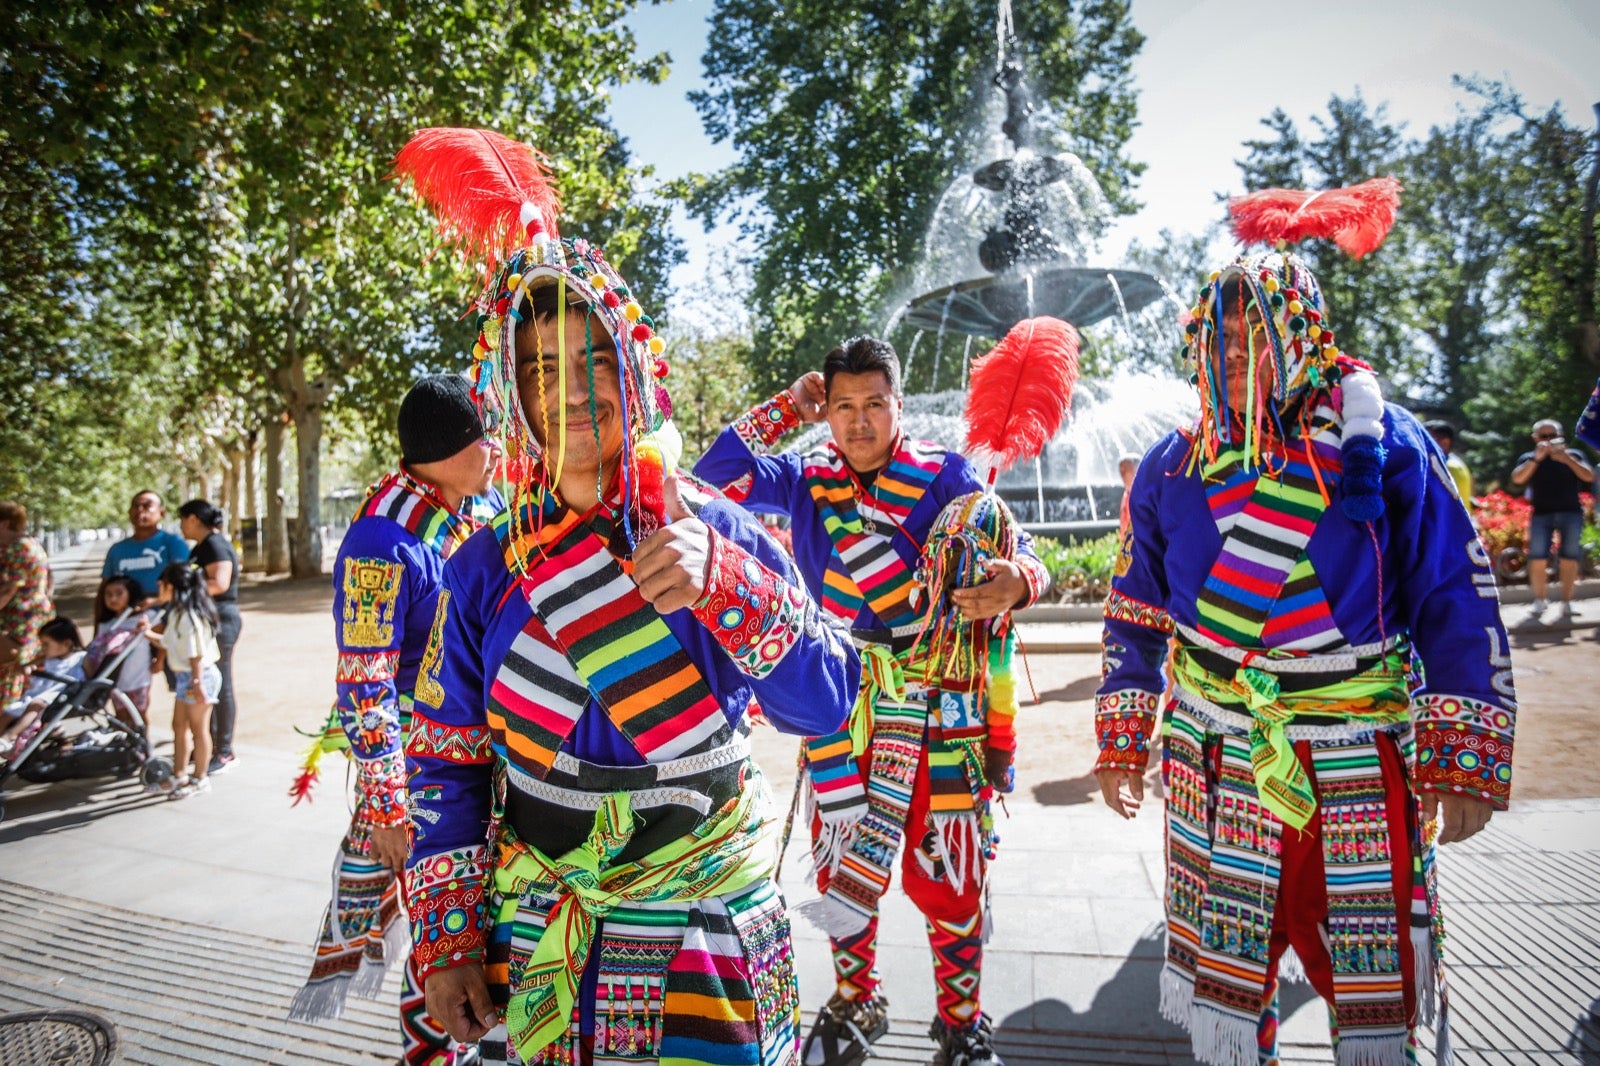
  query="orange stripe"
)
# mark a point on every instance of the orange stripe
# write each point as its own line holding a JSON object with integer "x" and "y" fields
{"x": 655, "y": 695}
{"x": 838, "y": 747}
{"x": 699, "y": 1006}
{"x": 520, "y": 744}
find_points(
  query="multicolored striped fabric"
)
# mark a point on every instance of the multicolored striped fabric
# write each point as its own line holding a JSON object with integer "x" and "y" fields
{"x": 1263, "y": 590}
{"x": 592, "y": 635}
{"x": 418, "y": 510}
{"x": 1223, "y": 876}
{"x": 865, "y": 570}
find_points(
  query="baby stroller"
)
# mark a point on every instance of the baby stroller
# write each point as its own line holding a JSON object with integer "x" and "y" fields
{"x": 102, "y": 744}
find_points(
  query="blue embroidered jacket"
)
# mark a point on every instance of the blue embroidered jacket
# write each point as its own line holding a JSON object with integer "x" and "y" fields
{"x": 1433, "y": 586}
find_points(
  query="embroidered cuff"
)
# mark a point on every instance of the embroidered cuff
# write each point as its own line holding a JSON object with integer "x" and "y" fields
{"x": 1464, "y": 746}
{"x": 1123, "y": 608}
{"x": 753, "y": 613}
{"x": 359, "y": 667}
{"x": 1124, "y": 723}
{"x": 1037, "y": 577}
{"x": 768, "y": 422}
{"x": 383, "y": 790}
{"x": 444, "y": 899}
{"x": 469, "y": 745}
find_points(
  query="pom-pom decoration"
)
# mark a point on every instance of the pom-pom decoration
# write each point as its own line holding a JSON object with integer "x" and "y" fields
{"x": 485, "y": 189}
{"x": 1356, "y": 218}
{"x": 1020, "y": 392}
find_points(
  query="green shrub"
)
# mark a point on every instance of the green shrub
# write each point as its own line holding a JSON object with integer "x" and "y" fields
{"x": 1080, "y": 571}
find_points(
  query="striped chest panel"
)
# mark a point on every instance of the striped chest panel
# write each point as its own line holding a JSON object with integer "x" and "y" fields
{"x": 1263, "y": 591}
{"x": 864, "y": 569}
{"x": 404, "y": 500}
{"x": 593, "y": 635}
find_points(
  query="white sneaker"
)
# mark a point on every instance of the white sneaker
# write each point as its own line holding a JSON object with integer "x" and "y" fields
{"x": 1565, "y": 617}
{"x": 1535, "y": 615}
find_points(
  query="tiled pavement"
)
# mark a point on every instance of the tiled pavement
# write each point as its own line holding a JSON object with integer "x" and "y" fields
{"x": 190, "y": 924}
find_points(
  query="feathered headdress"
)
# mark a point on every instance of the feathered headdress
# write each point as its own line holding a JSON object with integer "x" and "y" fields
{"x": 494, "y": 200}
{"x": 1019, "y": 393}
{"x": 1299, "y": 354}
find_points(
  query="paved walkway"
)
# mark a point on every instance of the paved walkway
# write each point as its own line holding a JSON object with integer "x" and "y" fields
{"x": 189, "y": 924}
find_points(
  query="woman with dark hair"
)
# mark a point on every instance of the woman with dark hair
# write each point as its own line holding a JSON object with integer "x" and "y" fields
{"x": 189, "y": 637}
{"x": 214, "y": 556}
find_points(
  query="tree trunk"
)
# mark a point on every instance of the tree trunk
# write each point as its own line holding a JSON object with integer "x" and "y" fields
{"x": 252, "y": 490}
{"x": 306, "y": 559}
{"x": 233, "y": 489}
{"x": 277, "y": 531}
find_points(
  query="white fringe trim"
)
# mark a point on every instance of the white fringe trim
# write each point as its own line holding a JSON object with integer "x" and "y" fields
{"x": 320, "y": 1002}
{"x": 1372, "y": 1050}
{"x": 368, "y": 980}
{"x": 1444, "y": 1054}
{"x": 1177, "y": 996}
{"x": 955, "y": 836}
{"x": 1427, "y": 983}
{"x": 1223, "y": 1039}
{"x": 827, "y": 849}
{"x": 1290, "y": 969}
{"x": 834, "y": 917}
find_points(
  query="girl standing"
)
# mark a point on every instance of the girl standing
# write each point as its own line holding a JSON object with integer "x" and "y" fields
{"x": 189, "y": 636}
{"x": 213, "y": 554}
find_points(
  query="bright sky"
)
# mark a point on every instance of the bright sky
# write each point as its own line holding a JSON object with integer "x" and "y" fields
{"x": 1398, "y": 52}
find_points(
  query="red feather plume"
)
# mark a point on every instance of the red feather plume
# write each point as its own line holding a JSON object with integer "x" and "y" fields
{"x": 476, "y": 182}
{"x": 1020, "y": 392}
{"x": 1356, "y": 218}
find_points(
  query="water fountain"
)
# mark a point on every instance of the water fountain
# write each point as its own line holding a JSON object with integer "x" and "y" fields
{"x": 1010, "y": 241}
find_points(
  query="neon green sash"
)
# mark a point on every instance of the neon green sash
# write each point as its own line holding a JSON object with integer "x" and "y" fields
{"x": 729, "y": 852}
{"x": 1377, "y": 695}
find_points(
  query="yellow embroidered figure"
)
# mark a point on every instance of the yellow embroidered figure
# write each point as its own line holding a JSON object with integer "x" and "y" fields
{"x": 371, "y": 587}
{"x": 429, "y": 690}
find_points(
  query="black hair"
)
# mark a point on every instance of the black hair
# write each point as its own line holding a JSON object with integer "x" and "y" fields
{"x": 189, "y": 593}
{"x": 863, "y": 355}
{"x": 64, "y": 630}
{"x": 1438, "y": 427}
{"x": 102, "y": 614}
{"x": 210, "y": 516}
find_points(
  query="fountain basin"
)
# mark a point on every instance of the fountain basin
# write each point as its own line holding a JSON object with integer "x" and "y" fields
{"x": 988, "y": 307}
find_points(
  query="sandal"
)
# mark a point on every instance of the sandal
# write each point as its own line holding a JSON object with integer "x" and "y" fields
{"x": 169, "y": 786}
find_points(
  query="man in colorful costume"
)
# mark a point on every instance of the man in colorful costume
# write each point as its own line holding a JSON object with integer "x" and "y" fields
{"x": 919, "y": 751}
{"x": 593, "y": 844}
{"x": 386, "y": 587}
{"x": 1342, "y": 694}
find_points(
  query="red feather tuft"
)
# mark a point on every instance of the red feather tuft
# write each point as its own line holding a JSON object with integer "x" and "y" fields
{"x": 1021, "y": 391}
{"x": 1356, "y": 218}
{"x": 303, "y": 784}
{"x": 475, "y": 182}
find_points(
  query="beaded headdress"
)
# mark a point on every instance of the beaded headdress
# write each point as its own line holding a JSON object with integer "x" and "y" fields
{"x": 1299, "y": 345}
{"x": 493, "y": 198}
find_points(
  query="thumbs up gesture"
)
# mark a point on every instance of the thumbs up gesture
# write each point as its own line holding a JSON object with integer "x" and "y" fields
{"x": 670, "y": 565}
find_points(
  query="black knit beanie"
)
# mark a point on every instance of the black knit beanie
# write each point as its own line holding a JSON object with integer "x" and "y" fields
{"x": 438, "y": 419}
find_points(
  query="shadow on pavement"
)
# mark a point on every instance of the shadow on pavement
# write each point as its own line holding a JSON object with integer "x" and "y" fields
{"x": 1126, "y": 1006}
{"x": 1071, "y": 791}
{"x": 76, "y": 803}
{"x": 1081, "y": 689}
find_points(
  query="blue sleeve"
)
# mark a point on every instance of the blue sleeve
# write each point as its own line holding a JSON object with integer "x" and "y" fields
{"x": 1137, "y": 630}
{"x": 450, "y": 761}
{"x": 179, "y": 549}
{"x": 801, "y": 666}
{"x": 1466, "y": 709}
{"x": 740, "y": 462}
{"x": 372, "y": 590}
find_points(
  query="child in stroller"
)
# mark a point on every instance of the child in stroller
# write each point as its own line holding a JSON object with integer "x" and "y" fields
{"x": 114, "y": 738}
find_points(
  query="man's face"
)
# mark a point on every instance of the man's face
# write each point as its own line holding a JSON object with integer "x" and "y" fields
{"x": 1237, "y": 351}
{"x": 471, "y": 470}
{"x": 1442, "y": 440}
{"x": 865, "y": 418}
{"x": 577, "y": 453}
{"x": 146, "y": 512}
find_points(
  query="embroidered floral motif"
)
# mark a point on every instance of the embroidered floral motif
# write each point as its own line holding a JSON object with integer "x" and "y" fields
{"x": 1464, "y": 746}
{"x": 762, "y": 427}
{"x": 469, "y": 745}
{"x": 755, "y": 615}
{"x": 428, "y": 689}
{"x": 1124, "y": 608}
{"x": 444, "y": 896}
{"x": 371, "y": 589}
{"x": 356, "y": 668}
{"x": 1124, "y": 723}
{"x": 383, "y": 789}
